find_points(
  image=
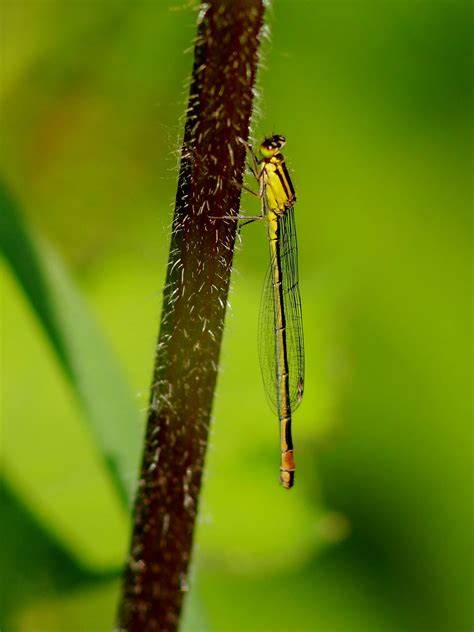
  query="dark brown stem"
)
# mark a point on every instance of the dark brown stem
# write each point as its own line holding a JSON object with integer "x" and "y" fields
{"x": 195, "y": 297}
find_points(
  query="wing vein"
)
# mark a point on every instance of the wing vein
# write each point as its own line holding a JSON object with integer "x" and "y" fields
{"x": 293, "y": 316}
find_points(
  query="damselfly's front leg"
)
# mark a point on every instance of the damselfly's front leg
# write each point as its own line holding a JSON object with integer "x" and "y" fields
{"x": 254, "y": 167}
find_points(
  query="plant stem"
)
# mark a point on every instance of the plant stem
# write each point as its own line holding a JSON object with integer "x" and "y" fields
{"x": 195, "y": 298}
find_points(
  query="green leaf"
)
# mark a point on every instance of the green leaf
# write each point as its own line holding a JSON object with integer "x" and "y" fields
{"x": 80, "y": 347}
{"x": 49, "y": 459}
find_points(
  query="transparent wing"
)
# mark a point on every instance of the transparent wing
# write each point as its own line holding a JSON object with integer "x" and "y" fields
{"x": 266, "y": 341}
{"x": 293, "y": 317}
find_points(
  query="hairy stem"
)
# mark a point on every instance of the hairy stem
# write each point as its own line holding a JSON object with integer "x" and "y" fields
{"x": 195, "y": 298}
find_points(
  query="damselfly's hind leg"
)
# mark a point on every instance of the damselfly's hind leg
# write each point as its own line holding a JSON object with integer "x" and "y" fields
{"x": 245, "y": 219}
{"x": 248, "y": 220}
{"x": 254, "y": 168}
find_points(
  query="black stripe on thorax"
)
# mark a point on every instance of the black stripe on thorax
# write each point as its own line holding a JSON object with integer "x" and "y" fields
{"x": 288, "y": 179}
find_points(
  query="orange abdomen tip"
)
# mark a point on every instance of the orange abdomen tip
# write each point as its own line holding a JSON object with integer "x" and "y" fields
{"x": 287, "y": 469}
{"x": 287, "y": 479}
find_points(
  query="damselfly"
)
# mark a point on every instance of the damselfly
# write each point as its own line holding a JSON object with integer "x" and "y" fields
{"x": 280, "y": 338}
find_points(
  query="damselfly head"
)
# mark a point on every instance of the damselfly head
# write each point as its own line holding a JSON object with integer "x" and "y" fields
{"x": 272, "y": 145}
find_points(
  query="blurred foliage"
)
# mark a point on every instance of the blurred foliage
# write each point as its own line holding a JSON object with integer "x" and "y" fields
{"x": 375, "y": 101}
{"x": 79, "y": 347}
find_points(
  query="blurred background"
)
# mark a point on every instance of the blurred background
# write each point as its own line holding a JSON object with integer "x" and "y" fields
{"x": 375, "y": 102}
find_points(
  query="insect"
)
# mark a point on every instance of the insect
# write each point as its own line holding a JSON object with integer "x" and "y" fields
{"x": 280, "y": 337}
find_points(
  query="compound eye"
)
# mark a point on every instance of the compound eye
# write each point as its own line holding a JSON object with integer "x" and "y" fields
{"x": 279, "y": 141}
{"x": 271, "y": 145}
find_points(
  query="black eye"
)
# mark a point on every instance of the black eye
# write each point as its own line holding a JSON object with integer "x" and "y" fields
{"x": 280, "y": 140}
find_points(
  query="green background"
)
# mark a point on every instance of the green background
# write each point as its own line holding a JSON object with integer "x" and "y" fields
{"x": 374, "y": 99}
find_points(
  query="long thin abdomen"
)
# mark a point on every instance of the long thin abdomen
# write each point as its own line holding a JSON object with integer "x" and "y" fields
{"x": 287, "y": 464}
